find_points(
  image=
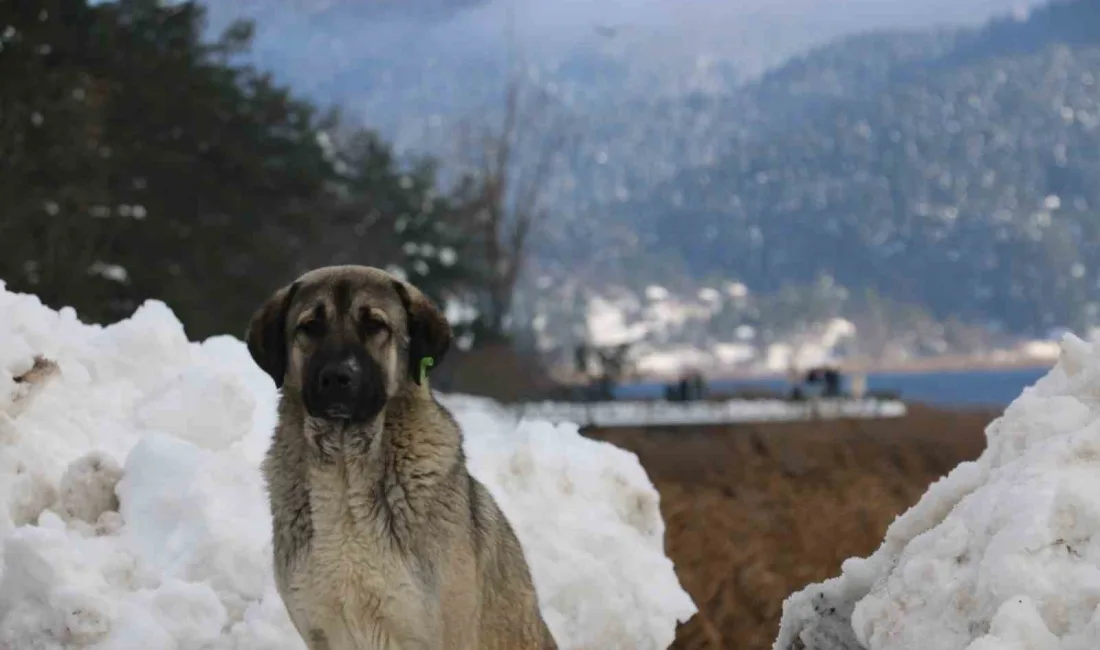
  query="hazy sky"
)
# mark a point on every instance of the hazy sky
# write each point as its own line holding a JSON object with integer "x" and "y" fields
{"x": 307, "y": 40}
{"x": 563, "y": 21}
{"x": 716, "y": 23}
{"x": 568, "y": 14}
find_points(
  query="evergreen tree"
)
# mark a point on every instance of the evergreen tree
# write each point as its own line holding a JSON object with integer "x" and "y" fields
{"x": 220, "y": 167}
{"x": 52, "y": 167}
{"x": 395, "y": 215}
{"x": 138, "y": 161}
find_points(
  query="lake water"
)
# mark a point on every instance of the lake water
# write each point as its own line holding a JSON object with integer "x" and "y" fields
{"x": 962, "y": 388}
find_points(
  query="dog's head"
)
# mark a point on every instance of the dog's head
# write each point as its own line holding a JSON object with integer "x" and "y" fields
{"x": 347, "y": 339}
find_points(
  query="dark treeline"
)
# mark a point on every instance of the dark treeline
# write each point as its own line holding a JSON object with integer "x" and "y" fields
{"x": 138, "y": 160}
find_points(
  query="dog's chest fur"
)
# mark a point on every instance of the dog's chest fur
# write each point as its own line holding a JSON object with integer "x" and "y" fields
{"x": 351, "y": 583}
{"x": 383, "y": 540}
{"x": 352, "y": 517}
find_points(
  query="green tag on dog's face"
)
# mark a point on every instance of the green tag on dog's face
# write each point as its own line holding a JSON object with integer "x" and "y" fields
{"x": 425, "y": 363}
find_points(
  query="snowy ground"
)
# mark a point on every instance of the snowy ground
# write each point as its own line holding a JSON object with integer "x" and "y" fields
{"x": 656, "y": 413}
{"x": 133, "y": 514}
{"x": 1001, "y": 554}
{"x": 671, "y": 333}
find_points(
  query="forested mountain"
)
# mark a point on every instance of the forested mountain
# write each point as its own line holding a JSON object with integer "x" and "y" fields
{"x": 952, "y": 169}
{"x": 946, "y": 168}
{"x": 899, "y": 179}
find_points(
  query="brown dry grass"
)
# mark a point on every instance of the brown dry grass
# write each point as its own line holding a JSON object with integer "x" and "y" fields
{"x": 755, "y": 512}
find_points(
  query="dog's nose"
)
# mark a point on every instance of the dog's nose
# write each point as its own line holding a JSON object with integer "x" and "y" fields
{"x": 340, "y": 378}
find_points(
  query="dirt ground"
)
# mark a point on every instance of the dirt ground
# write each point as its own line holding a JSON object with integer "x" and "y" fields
{"x": 755, "y": 512}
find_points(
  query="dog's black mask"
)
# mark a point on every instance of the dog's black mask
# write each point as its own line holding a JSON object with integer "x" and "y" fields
{"x": 344, "y": 384}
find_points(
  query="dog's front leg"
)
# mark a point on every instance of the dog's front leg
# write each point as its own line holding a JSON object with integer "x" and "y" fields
{"x": 429, "y": 638}
{"x": 423, "y": 632}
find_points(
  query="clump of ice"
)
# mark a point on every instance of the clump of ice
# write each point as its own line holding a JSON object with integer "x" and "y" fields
{"x": 1001, "y": 554}
{"x": 88, "y": 487}
{"x": 133, "y": 513}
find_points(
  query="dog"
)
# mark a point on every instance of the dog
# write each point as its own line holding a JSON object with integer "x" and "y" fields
{"x": 382, "y": 539}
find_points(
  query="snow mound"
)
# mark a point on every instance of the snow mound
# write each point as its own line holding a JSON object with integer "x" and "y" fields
{"x": 597, "y": 532}
{"x": 133, "y": 513}
{"x": 1001, "y": 554}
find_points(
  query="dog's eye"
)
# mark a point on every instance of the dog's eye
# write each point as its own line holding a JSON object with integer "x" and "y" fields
{"x": 312, "y": 328}
{"x": 369, "y": 325}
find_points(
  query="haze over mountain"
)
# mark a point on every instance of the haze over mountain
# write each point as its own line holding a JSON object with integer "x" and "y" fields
{"x": 951, "y": 169}
{"x": 869, "y": 159}
{"x": 387, "y": 60}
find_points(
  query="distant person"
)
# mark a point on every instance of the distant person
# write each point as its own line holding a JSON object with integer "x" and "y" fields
{"x": 858, "y": 386}
{"x": 831, "y": 378}
{"x": 699, "y": 386}
{"x": 606, "y": 388}
{"x": 813, "y": 377}
{"x": 580, "y": 360}
{"x": 794, "y": 379}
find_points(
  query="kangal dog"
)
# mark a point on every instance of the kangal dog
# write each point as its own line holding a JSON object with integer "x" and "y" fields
{"x": 382, "y": 539}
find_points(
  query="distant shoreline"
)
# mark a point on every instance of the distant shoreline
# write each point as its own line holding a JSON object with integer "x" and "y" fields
{"x": 912, "y": 366}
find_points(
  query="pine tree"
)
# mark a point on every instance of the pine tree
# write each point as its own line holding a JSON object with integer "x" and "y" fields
{"x": 395, "y": 215}
{"x": 139, "y": 160}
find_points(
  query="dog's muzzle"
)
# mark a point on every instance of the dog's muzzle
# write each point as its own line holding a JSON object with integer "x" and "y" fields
{"x": 344, "y": 385}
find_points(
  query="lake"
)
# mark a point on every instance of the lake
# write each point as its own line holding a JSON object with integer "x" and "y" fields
{"x": 956, "y": 388}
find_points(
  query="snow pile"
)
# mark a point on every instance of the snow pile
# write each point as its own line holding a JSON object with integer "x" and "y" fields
{"x": 589, "y": 521}
{"x": 1001, "y": 554}
{"x": 133, "y": 514}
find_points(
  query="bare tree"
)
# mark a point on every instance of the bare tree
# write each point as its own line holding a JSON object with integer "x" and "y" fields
{"x": 508, "y": 171}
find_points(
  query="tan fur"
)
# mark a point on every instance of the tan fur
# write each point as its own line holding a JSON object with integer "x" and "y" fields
{"x": 382, "y": 539}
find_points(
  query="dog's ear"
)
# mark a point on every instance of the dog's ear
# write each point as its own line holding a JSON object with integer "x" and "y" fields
{"x": 429, "y": 331}
{"x": 266, "y": 334}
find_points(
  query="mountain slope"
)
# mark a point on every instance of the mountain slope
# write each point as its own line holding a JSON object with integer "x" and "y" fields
{"x": 913, "y": 167}
{"x": 945, "y": 170}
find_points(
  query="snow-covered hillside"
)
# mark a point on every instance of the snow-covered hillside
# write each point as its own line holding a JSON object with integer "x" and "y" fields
{"x": 1001, "y": 554}
{"x": 725, "y": 328}
{"x": 133, "y": 514}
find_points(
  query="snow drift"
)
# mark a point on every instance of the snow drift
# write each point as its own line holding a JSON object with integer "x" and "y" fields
{"x": 1001, "y": 554}
{"x": 133, "y": 514}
